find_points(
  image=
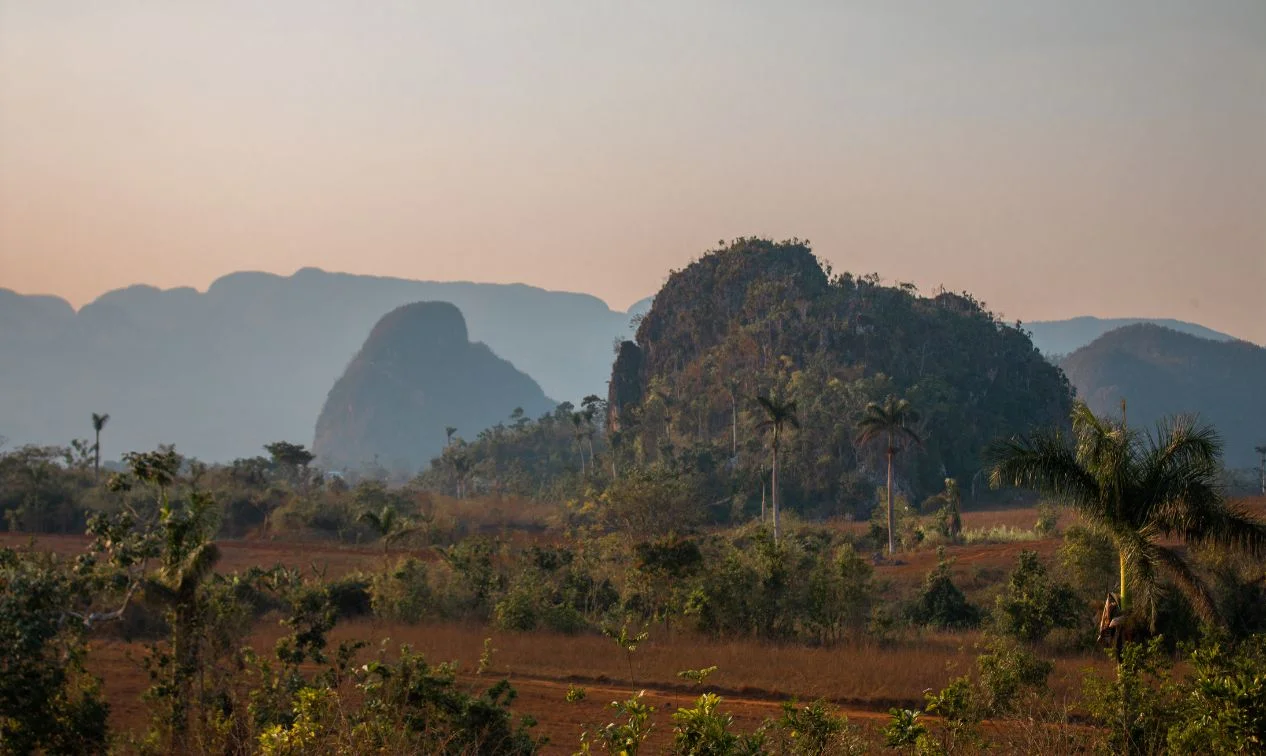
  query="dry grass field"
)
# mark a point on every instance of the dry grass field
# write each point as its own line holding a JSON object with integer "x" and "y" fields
{"x": 865, "y": 679}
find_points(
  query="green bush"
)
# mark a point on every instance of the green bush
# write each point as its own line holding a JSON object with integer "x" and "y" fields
{"x": 1222, "y": 708}
{"x": 1031, "y": 604}
{"x": 940, "y": 603}
{"x": 351, "y": 596}
{"x": 517, "y": 611}
{"x": 816, "y": 729}
{"x": 704, "y": 730}
{"x": 403, "y": 594}
{"x": 47, "y": 702}
{"x": 1009, "y": 673}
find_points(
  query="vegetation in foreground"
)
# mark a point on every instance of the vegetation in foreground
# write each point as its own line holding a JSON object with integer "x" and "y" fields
{"x": 150, "y": 574}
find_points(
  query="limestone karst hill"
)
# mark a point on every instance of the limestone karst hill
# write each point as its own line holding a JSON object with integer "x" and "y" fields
{"x": 417, "y": 374}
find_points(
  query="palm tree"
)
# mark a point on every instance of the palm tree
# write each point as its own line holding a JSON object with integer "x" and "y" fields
{"x": 1137, "y": 489}
{"x": 891, "y": 422}
{"x": 388, "y": 524}
{"x": 448, "y": 435}
{"x": 779, "y": 416}
{"x": 98, "y": 423}
{"x": 1262, "y": 468}
{"x": 578, "y": 420}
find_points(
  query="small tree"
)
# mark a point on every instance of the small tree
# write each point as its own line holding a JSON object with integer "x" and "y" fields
{"x": 941, "y": 603}
{"x": 1031, "y": 604}
{"x": 626, "y": 641}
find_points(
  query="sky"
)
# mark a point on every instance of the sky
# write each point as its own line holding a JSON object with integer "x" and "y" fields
{"x": 1055, "y": 159}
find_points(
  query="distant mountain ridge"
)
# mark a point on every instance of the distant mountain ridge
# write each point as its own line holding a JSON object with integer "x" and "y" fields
{"x": 1063, "y": 337}
{"x": 1160, "y": 371}
{"x": 251, "y": 360}
{"x": 416, "y": 375}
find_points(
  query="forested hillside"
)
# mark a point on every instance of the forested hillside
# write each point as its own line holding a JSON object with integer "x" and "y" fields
{"x": 416, "y": 377}
{"x": 759, "y": 318}
{"x": 1160, "y": 372}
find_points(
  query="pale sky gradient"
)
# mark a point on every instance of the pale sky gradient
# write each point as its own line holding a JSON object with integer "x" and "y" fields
{"x": 1055, "y": 158}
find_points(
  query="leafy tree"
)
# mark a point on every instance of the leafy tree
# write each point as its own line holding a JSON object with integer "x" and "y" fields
{"x": 889, "y": 421}
{"x": 1031, "y": 604}
{"x": 624, "y": 738}
{"x": 704, "y": 730}
{"x": 1223, "y": 709}
{"x": 645, "y": 503}
{"x": 292, "y": 459}
{"x": 48, "y": 704}
{"x": 98, "y": 424}
{"x": 1138, "y": 490}
{"x": 778, "y": 417}
{"x": 1139, "y": 705}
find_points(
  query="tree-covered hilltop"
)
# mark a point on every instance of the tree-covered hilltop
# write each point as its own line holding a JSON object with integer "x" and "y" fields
{"x": 763, "y": 318}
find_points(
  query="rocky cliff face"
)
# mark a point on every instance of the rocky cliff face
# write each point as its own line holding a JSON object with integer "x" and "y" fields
{"x": 417, "y": 374}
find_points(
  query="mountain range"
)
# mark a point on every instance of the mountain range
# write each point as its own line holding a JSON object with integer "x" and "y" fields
{"x": 252, "y": 359}
{"x": 1057, "y": 338}
{"x": 1160, "y": 371}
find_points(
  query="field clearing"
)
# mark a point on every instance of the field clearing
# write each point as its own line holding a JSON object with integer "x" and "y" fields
{"x": 864, "y": 678}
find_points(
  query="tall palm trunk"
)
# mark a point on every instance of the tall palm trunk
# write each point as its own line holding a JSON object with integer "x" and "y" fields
{"x": 96, "y": 456}
{"x": 1121, "y": 563}
{"x": 774, "y": 487}
{"x": 892, "y": 545}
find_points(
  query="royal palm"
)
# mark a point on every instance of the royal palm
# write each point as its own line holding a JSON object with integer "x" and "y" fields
{"x": 891, "y": 422}
{"x": 778, "y": 417}
{"x": 1137, "y": 489}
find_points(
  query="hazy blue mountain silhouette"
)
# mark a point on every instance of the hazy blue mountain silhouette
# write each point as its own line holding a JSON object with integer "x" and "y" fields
{"x": 251, "y": 360}
{"x": 1063, "y": 337}
{"x": 416, "y": 375}
{"x": 1161, "y": 372}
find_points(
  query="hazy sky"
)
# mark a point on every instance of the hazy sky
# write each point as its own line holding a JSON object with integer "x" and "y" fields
{"x": 1055, "y": 158}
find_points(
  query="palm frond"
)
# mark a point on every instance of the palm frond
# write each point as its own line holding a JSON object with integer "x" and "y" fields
{"x": 1238, "y": 529}
{"x": 1188, "y": 582}
{"x": 1045, "y": 463}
